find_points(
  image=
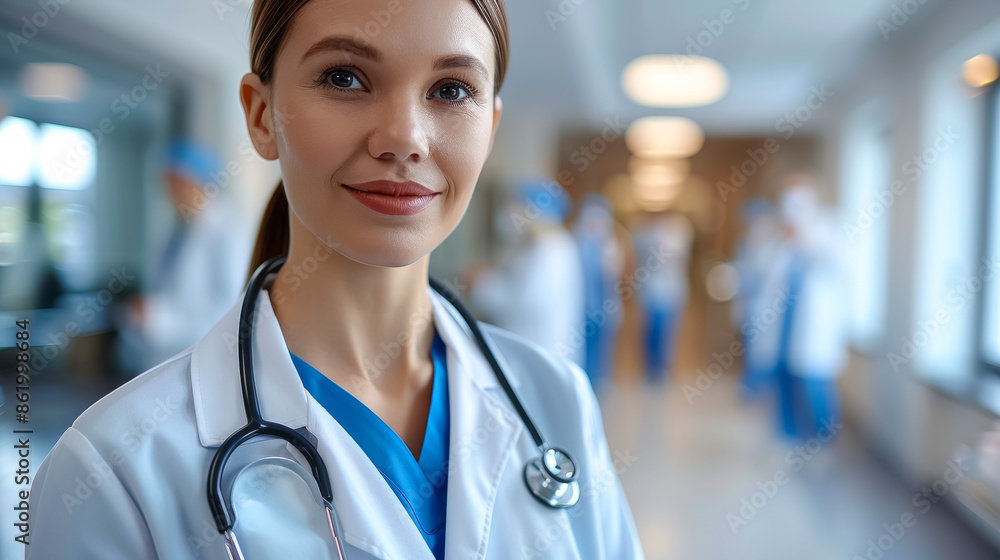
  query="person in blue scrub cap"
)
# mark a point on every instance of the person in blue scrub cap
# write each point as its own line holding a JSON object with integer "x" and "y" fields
{"x": 198, "y": 272}
{"x": 537, "y": 290}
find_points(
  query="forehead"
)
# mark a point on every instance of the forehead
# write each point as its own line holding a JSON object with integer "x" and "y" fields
{"x": 400, "y": 30}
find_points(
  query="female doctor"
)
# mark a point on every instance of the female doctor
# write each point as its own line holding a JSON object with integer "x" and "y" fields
{"x": 381, "y": 121}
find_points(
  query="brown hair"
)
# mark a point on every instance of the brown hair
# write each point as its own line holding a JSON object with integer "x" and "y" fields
{"x": 271, "y": 20}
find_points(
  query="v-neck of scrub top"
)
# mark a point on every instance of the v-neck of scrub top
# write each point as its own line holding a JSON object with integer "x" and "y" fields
{"x": 420, "y": 484}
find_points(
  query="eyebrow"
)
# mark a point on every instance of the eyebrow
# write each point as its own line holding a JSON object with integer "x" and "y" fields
{"x": 364, "y": 50}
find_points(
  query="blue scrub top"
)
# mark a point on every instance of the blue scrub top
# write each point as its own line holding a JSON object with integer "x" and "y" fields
{"x": 420, "y": 484}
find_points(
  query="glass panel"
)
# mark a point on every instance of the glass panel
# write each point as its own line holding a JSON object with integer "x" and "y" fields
{"x": 18, "y": 144}
{"x": 67, "y": 158}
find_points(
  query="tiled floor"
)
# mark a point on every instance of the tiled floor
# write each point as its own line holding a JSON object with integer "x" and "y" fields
{"x": 694, "y": 464}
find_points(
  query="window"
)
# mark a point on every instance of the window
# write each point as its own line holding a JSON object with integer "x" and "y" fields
{"x": 944, "y": 172}
{"x": 866, "y": 177}
{"x": 991, "y": 258}
{"x": 61, "y": 161}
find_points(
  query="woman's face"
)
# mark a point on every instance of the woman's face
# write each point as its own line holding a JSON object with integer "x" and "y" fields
{"x": 399, "y": 91}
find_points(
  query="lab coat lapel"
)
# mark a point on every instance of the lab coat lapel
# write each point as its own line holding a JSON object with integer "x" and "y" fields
{"x": 484, "y": 430}
{"x": 215, "y": 375}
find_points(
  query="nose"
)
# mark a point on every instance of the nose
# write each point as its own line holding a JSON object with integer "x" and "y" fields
{"x": 402, "y": 129}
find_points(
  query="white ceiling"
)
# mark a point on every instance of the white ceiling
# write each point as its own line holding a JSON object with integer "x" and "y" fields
{"x": 774, "y": 49}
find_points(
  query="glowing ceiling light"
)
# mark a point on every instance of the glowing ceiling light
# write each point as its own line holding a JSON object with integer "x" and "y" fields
{"x": 659, "y": 170}
{"x": 980, "y": 70}
{"x": 669, "y": 80}
{"x": 53, "y": 82}
{"x": 664, "y": 137}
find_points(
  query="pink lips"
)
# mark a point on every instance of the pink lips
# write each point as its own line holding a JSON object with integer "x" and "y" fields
{"x": 394, "y": 199}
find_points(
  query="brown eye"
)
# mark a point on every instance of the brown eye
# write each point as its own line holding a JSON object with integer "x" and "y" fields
{"x": 452, "y": 92}
{"x": 338, "y": 78}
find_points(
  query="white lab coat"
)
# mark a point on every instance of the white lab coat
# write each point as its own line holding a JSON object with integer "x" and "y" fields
{"x": 663, "y": 248}
{"x": 817, "y": 343}
{"x": 128, "y": 480}
{"x": 206, "y": 278}
{"x": 538, "y": 293}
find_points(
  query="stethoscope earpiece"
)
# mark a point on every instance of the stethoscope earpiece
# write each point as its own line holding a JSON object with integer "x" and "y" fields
{"x": 552, "y": 478}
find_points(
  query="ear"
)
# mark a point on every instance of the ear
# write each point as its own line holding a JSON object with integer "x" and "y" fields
{"x": 497, "y": 109}
{"x": 255, "y": 98}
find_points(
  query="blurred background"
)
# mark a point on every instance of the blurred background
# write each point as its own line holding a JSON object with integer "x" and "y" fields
{"x": 768, "y": 229}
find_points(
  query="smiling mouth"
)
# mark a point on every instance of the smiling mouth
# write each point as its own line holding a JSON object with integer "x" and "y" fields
{"x": 393, "y": 199}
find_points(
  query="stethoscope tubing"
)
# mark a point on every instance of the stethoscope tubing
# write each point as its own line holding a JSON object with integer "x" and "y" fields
{"x": 223, "y": 512}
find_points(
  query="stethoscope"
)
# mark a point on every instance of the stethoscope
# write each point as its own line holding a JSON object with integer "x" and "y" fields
{"x": 551, "y": 477}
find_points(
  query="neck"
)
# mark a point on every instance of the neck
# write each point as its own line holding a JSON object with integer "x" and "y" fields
{"x": 365, "y": 327}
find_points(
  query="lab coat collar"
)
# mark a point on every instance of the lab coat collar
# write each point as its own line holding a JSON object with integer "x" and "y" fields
{"x": 484, "y": 426}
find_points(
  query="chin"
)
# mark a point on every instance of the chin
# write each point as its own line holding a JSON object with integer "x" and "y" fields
{"x": 390, "y": 253}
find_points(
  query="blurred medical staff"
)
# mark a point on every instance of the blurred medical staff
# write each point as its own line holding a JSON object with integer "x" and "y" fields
{"x": 201, "y": 269}
{"x": 814, "y": 332}
{"x": 755, "y": 258}
{"x": 537, "y": 290}
{"x": 603, "y": 264}
{"x": 666, "y": 237}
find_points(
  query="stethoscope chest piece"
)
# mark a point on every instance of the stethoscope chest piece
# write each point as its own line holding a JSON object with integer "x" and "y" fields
{"x": 552, "y": 478}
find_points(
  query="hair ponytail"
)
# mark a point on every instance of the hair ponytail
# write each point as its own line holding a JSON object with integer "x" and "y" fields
{"x": 273, "y": 236}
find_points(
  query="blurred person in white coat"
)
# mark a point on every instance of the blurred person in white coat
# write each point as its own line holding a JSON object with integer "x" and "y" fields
{"x": 201, "y": 267}
{"x": 603, "y": 266}
{"x": 663, "y": 245}
{"x": 755, "y": 259}
{"x": 813, "y": 342}
{"x": 537, "y": 290}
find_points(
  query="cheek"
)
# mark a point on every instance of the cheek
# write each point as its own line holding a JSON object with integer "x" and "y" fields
{"x": 461, "y": 151}
{"x": 317, "y": 141}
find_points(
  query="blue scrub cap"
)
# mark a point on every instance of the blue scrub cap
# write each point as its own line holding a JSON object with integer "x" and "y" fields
{"x": 195, "y": 161}
{"x": 547, "y": 196}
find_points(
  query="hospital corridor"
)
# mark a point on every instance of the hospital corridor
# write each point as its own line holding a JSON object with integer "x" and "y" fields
{"x": 553, "y": 279}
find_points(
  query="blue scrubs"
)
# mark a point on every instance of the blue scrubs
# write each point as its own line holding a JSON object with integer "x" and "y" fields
{"x": 420, "y": 484}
